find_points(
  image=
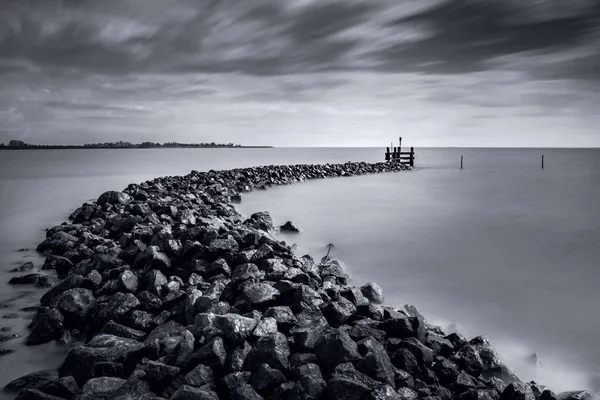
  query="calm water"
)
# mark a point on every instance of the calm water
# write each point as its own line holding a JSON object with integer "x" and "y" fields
{"x": 501, "y": 248}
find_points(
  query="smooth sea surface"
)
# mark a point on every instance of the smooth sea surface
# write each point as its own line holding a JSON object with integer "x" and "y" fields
{"x": 501, "y": 248}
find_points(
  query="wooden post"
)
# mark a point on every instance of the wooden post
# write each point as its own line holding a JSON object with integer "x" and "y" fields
{"x": 461, "y": 162}
{"x": 400, "y": 144}
{"x": 412, "y": 156}
{"x": 387, "y": 154}
{"x": 542, "y": 161}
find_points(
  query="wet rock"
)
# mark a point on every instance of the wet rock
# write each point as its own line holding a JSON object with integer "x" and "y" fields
{"x": 35, "y": 394}
{"x": 28, "y": 266}
{"x": 407, "y": 394}
{"x": 261, "y": 220}
{"x": 307, "y": 333}
{"x": 254, "y": 294}
{"x": 59, "y": 243}
{"x": 64, "y": 387}
{"x": 336, "y": 347}
{"x": 266, "y": 326}
{"x": 403, "y": 327}
{"x": 373, "y": 292}
{"x": 47, "y": 325}
{"x": 290, "y": 227}
{"x": 47, "y": 281}
{"x": 32, "y": 381}
{"x": 62, "y": 265}
{"x": 74, "y": 305}
{"x": 272, "y": 350}
{"x": 283, "y": 315}
{"x": 362, "y": 331}
{"x": 422, "y": 353}
{"x": 468, "y": 359}
{"x": 405, "y": 360}
{"x": 71, "y": 282}
{"x": 117, "y": 306}
{"x": 7, "y": 337}
{"x": 92, "y": 281}
{"x": 153, "y": 280}
{"x": 29, "y": 279}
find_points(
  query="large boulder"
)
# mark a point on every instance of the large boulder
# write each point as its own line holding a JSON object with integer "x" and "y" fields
{"x": 33, "y": 380}
{"x": 74, "y": 305}
{"x": 373, "y": 292}
{"x": 47, "y": 325}
{"x": 113, "y": 197}
{"x": 272, "y": 350}
{"x": 336, "y": 347}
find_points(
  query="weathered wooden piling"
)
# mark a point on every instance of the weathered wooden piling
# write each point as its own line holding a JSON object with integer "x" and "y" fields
{"x": 396, "y": 154}
{"x": 542, "y": 161}
{"x": 461, "y": 162}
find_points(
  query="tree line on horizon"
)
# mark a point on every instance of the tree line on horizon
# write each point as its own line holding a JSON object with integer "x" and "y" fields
{"x": 18, "y": 144}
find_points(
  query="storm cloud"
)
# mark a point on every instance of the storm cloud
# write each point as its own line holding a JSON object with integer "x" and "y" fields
{"x": 321, "y": 66}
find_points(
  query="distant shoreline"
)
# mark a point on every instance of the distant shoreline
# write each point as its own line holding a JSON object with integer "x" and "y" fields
{"x": 57, "y": 147}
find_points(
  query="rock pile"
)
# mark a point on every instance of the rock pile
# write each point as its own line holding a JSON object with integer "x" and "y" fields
{"x": 170, "y": 294}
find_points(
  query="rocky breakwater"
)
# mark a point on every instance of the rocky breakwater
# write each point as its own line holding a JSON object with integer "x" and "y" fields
{"x": 168, "y": 293}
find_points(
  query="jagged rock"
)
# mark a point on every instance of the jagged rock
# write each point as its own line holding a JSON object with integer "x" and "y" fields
{"x": 47, "y": 281}
{"x": 518, "y": 391}
{"x": 237, "y": 357}
{"x": 28, "y": 279}
{"x": 117, "y": 306}
{"x": 257, "y": 293}
{"x": 58, "y": 244}
{"x": 127, "y": 282}
{"x": 149, "y": 301}
{"x": 336, "y": 347}
{"x": 422, "y": 353}
{"x": 346, "y": 389}
{"x": 75, "y": 304}
{"x": 406, "y": 361}
{"x": 47, "y": 325}
{"x": 407, "y": 394}
{"x": 108, "y": 368}
{"x": 201, "y": 375}
{"x": 266, "y": 379}
{"x": 28, "y": 266}
{"x": 307, "y": 370}
{"x": 113, "y": 328}
{"x": 445, "y": 370}
{"x": 386, "y": 392}
{"x": 468, "y": 359}
{"x": 100, "y": 388}
{"x": 244, "y": 272}
{"x": 266, "y": 326}
{"x": 307, "y": 333}
{"x": 244, "y": 392}
{"x": 283, "y": 315}
{"x": 62, "y": 265}
{"x": 362, "y": 331}
{"x": 290, "y": 227}
{"x": 272, "y": 350}
{"x": 64, "y": 387}
{"x": 376, "y": 362}
{"x": 113, "y": 197}
{"x": 33, "y": 380}
{"x": 71, "y": 282}
{"x": 373, "y": 292}
{"x": 212, "y": 353}
{"x": 153, "y": 280}
{"x": 338, "y": 312}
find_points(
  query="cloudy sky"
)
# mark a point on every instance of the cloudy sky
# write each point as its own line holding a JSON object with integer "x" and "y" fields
{"x": 301, "y": 72}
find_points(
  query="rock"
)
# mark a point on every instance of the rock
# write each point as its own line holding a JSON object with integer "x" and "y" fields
{"x": 577, "y": 395}
{"x": 244, "y": 392}
{"x": 64, "y": 387}
{"x": 47, "y": 281}
{"x": 376, "y": 362}
{"x": 402, "y": 328}
{"x": 290, "y": 227}
{"x": 185, "y": 348}
{"x": 548, "y": 395}
{"x": 237, "y": 357}
{"x": 272, "y": 350}
{"x": 407, "y": 394}
{"x": 80, "y": 360}
{"x": 262, "y": 220}
{"x": 35, "y": 394}
{"x": 33, "y": 380}
{"x": 234, "y": 327}
{"x": 283, "y": 315}
{"x": 422, "y": 353}
{"x": 163, "y": 331}
{"x": 112, "y": 328}
{"x": 47, "y": 325}
{"x": 517, "y": 391}
{"x": 446, "y": 371}
{"x": 74, "y": 305}
{"x": 221, "y": 246}
{"x": 244, "y": 272}
{"x": 307, "y": 370}
{"x": 7, "y": 337}
{"x": 362, "y": 331}
{"x": 212, "y": 353}
{"x": 108, "y": 368}
{"x": 307, "y": 334}
{"x": 336, "y": 347}
{"x": 405, "y": 360}
{"x": 386, "y": 392}
{"x": 373, "y": 292}
{"x": 92, "y": 281}
{"x": 468, "y": 359}
{"x": 201, "y": 375}
{"x": 29, "y": 279}
{"x": 28, "y": 266}
{"x": 186, "y": 392}
{"x": 113, "y": 197}
{"x": 100, "y": 388}
{"x": 266, "y": 379}
{"x": 346, "y": 389}
{"x": 257, "y": 293}
{"x": 309, "y": 388}
{"x": 127, "y": 282}
{"x": 266, "y": 326}
{"x": 117, "y": 306}
{"x": 71, "y": 282}
{"x": 153, "y": 280}
{"x": 338, "y": 312}
{"x": 62, "y": 265}
{"x": 59, "y": 243}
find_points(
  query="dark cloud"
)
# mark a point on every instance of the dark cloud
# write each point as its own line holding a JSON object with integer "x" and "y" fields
{"x": 468, "y": 33}
{"x": 263, "y": 37}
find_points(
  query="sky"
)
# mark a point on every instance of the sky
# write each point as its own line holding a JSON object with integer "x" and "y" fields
{"x": 478, "y": 73}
